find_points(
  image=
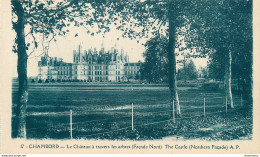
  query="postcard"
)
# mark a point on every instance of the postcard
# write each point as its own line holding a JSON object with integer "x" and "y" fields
{"x": 127, "y": 77}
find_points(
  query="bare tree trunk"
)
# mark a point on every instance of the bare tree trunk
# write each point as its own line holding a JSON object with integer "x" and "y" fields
{"x": 172, "y": 64}
{"x": 22, "y": 70}
{"x": 227, "y": 81}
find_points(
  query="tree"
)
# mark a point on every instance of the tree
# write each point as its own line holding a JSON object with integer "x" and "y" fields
{"x": 209, "y": 27}
{"x": 188, "y": 72}
{"x": 48, "y": 19}
{"x": 164, "y": 17}
{"x": 192, "y": 70}
{"x": 203, "y": 72}
{"x": 216, "y": 67}
{"x": 155, "y": 67}
{"x": 230, "y": 34}
{"x": 129, "y": 76}
{"x": 21, "y": 68}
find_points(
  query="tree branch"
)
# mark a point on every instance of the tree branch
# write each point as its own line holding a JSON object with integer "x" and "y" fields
{"x": 31, "y": 32}
{"x": 53, "y": 12}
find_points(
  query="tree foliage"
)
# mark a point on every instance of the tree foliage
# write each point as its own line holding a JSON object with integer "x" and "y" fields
{"x": 226, "y": 28}
{"x": 45, "y": 20}
{"x": 188, "y": 72}
{"x": 48, "y": 19}
{"x": 155, "y": 67}
{"x": 232, "y": 30}
{"x": 228, "y": 25}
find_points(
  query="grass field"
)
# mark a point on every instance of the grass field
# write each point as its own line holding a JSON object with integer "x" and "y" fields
{"x": 103, "y": 111}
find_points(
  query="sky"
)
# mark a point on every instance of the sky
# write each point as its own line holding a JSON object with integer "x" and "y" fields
{"x": 64, "y": 45}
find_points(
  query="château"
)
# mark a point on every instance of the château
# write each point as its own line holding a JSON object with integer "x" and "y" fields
{"x": 89, "y": 65}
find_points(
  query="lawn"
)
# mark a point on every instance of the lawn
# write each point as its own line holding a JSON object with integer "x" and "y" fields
{"x": 103, "y": 111}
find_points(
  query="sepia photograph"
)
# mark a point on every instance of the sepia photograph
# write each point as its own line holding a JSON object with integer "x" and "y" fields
{"x": 130, "y": 71}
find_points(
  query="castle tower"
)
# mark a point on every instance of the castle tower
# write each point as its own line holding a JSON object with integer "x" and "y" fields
{"x": 85, "y": 56}
{"x": 77, "y": 56}
{"x": 80, "y": 53}
{"x": 80, "y": 47}
{"x": 127, "y": 58}
{"x": 74, "y": 56}
{"x": 102, "y": 45}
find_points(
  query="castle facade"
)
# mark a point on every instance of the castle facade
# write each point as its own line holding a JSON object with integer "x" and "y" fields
{"x": 89, "y": 65}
